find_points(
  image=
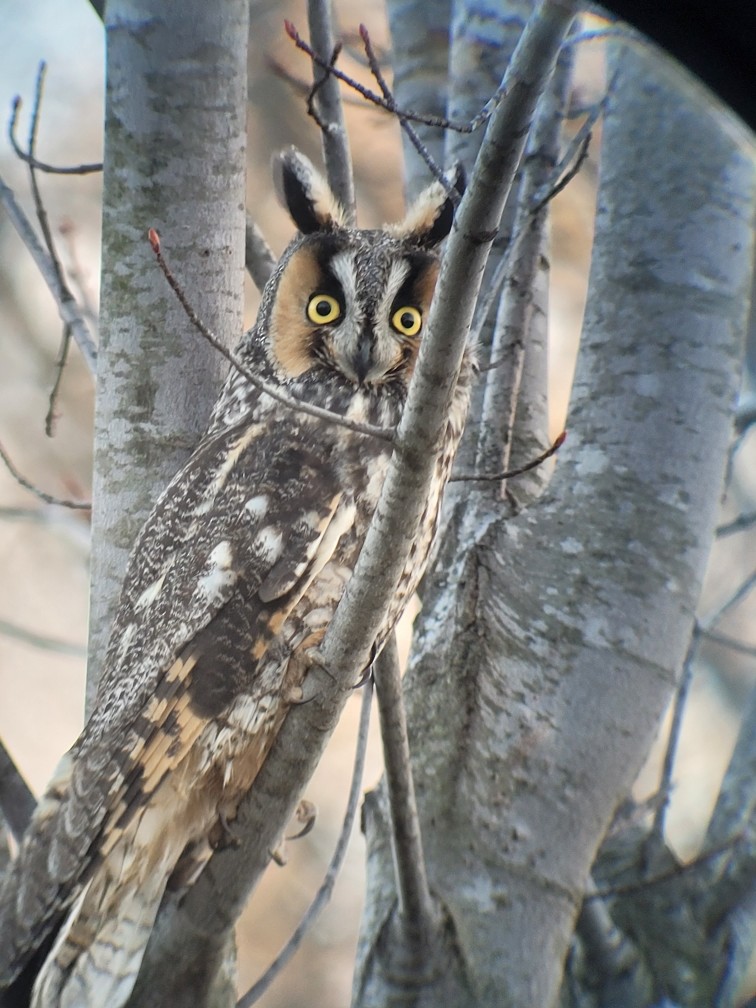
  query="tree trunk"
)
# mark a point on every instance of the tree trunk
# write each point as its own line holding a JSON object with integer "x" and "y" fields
{"x": 549, "y": 645}
{"x": 175, "y": 147}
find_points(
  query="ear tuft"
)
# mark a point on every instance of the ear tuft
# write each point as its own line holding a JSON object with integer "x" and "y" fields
{"x": 428, "y": 221}
{"x": 305, "y": 193}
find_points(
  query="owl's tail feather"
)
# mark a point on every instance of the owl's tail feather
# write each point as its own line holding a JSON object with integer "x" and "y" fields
{"x": 97, "y": 955}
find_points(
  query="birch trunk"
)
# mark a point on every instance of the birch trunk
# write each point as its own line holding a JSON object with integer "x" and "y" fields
{"x": 174, "y": 160}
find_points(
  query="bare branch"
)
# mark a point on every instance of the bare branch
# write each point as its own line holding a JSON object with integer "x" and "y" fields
{"x": 369, "y": 430}
{"x": 34, "y": 162}
{"x": 418, "y": 916}
{"x": 516, "y": 329}
{"x": 67, "y": 306}
{"x": 41, "y": 494}
{"x": 729, "y": 642}
{"x": 41, "y": 641}
{"x": 511, "y": 473}
{"x": 323, "y": 894}
{"x": 17, "y": 802}
{"x": 336, "y": 154}
{"x": 655, "y": 841}
{"x": 730, "y": 602}
{"x": 410, "y": 132}
{"x": 371, "y": 96}
{"x": 258, "y": 257}
{"x": 734, "y": 813}
{"x": 60, "y": 365}
{"x": 739, "y": 524}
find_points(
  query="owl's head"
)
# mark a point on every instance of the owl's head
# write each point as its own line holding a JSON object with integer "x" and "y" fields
{"x": 351, "y": 302}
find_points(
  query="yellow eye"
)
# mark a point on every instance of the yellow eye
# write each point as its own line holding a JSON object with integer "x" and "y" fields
{"x": 322, "y": 309}
{"x": 407, "y": 320}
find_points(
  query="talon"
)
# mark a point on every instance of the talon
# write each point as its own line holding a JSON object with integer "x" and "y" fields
{"x": 279, "y": 855}
{"x": 366, "y": 676}
{"x": 294, "y": 695}
{"x": 306, "y": 814}
{"x": 222, "y": 835}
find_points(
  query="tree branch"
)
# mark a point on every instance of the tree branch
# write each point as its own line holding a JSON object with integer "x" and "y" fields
{"x": 323, "y": 894}
{"x": 16, "y": 799}
{"x": 258, "y": 257}
{"x": 42, "y": 641}
{"x": 418, "y": 917}
{"x": 338, "y": 162}
{"x": 517, "y": 315}
{"x": 40, "y": 494}
{"x": 67, "y": 306}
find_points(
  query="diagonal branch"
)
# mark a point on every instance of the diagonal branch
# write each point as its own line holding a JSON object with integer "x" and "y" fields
{"x": 67, "y": 306}
{"x": 16, "y": 799}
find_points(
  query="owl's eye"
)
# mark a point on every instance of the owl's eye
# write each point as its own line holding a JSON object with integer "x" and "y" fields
{"x": 407, "y": 320}
{"x": 322, "y": 309}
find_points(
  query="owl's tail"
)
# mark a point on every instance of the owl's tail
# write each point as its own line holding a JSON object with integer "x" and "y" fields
{"x": 97, "y": 953}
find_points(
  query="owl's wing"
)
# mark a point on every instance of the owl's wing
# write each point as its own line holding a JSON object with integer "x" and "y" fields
{"x": 217, "y": 567}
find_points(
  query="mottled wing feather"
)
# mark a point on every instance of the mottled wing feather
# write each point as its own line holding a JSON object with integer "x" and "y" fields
{"x": 290, "y": 493}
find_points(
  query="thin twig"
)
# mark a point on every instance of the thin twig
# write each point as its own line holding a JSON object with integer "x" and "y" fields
{"x": 743, "y": 589}
{"x": 39, "y": 206}
{"x": 41, "y": 641}
{"x": 369, "y": 430}
{"x": 336, "y": 155}
{"x": 60, "y": 366}
{"x": 510, "y": 473}
{"x": 44, "y": 224}
{"x": 258, "y": 257}
{"x": 428, "y": 120}
{"x": 67, "y": 307}
{"x": 416, "y": 907}
{"x": 304, "y": 87}
{"x": 34, "y": 162}
{"x": 17, "y": 802}
{"x": 323, "y": 894}
{"x": 655, "y": 840}
{"x": 411, "y": 133}
{"x": 577, "y": 151}
{"x": 729, "y": 642}
{"x": 569, "y": 175}
{"x": 41, "y": 494}
{"x": 76, "y": 272}
{"x": 739, "y": 524}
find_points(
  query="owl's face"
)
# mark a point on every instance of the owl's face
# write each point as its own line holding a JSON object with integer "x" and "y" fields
{"x": 350, "y": 302}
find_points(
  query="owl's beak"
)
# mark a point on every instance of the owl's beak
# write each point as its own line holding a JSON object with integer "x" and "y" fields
{"x": 362, "y": 359}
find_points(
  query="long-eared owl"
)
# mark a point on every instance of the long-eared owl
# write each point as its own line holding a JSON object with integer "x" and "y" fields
{"x": 236, "y": 572}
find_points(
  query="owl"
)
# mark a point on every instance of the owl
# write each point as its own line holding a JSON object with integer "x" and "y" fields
{"x": 234, "y": 577}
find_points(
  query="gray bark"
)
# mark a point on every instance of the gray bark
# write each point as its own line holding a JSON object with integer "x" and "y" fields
{"x": 549, "y": 645}
{"x": 174, "y": 160}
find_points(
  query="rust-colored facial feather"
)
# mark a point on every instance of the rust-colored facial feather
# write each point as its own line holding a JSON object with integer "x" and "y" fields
{"x": 291, "y": 334}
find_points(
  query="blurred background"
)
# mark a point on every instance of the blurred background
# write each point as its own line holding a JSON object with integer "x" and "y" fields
{"x": 44, "y": 550}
